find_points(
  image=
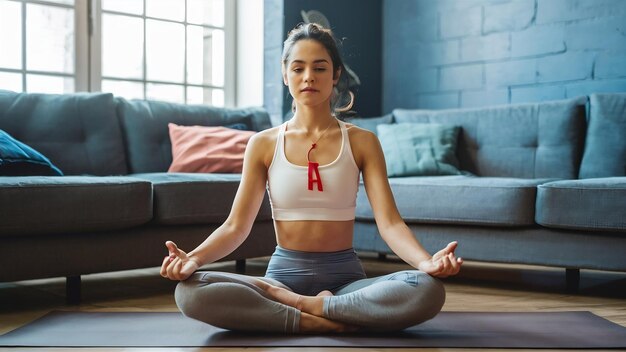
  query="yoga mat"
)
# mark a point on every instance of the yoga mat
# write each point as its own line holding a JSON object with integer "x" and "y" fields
{"x": 448, "y": 329}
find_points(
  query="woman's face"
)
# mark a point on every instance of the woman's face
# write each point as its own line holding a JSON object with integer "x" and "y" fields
{"x": 309, "y": 73}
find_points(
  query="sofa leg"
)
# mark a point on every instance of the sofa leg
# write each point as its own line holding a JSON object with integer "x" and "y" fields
{"x": 72, "y": 290}
{"x": 382, "y": 256}
{"x": 240, "y": 266}
{"x": 572, "y": 279}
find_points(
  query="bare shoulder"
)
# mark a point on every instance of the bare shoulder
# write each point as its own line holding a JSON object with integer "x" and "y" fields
{"x": 362, "y": 142}
{"x": 266, "y": 136}
{"x": 360, "y": 136}
{"x": 262, "y": 144}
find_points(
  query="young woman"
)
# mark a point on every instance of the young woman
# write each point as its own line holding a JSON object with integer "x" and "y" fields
{"x": 310, "y": 166}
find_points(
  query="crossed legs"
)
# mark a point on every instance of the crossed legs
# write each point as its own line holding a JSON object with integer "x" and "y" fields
{"x": 240, "y": 302}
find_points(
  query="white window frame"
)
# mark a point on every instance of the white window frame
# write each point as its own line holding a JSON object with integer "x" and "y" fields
{"x": 24, "y": 71}
{"x": 88, "y": 48}
{"x": 91, "y": 78}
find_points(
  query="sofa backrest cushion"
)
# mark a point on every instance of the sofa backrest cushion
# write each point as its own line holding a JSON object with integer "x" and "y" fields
{"x": 540, "y": 140}
{"x": 79, "y": 133}
{"x": 370, "y": 123}
{"x": 145, "y": 127}
{"x": 605, "y": 145}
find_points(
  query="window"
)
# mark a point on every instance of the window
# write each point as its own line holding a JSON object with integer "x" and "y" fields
{"x": 38, "y": 46}
{"x": 170, "y": 50}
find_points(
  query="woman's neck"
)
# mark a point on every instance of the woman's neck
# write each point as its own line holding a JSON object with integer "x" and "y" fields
{"x": 312, "y": 120}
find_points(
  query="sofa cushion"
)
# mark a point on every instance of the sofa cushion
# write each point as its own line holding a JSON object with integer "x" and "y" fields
{"x": 463, "y": 200}
{"x": 589, "y": 204}
{"x": 370, "y": 123}
{"x": 419, "y": 149}
{"x": 144, "y": 125}
{"x": 79, "y": 133}
{"x": 188, "y": 198}
{"x": 18, "y": 159}
{"x": 49, "y": 205}
{"x": 605, "y": 147}
{"x": 540, "y": 140}
{"x": 207, "y": 149}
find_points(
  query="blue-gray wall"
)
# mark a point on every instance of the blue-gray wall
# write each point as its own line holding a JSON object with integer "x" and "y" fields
{"x": 357, "y": 22}
{"x": 273, "y": 32}
{"x": 466, "y": 53}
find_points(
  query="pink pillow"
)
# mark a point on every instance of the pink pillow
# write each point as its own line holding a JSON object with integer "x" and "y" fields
{"x": 207, "y": 149}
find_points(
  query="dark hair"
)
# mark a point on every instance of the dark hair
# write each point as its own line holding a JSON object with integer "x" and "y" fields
{"x": 315, "y": 32}
{"x": 324, "y": 36}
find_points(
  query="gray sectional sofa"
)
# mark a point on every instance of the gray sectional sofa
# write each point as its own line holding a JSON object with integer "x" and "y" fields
{"x": 116, "y": 205}
{"x": 542, "y": 184}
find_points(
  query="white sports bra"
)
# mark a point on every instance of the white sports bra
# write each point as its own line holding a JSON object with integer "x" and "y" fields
{"x": 288, "y": 190}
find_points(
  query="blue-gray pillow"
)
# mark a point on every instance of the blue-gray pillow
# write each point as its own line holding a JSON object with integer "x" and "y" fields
{"x": 238, "y": 126}
{"x": 605, "y": 145}
{"x": 370, "y": 123}
{"x": 419, "y": 149}
{"x": 18, "y": 159}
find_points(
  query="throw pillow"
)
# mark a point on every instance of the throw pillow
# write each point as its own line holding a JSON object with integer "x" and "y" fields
{"x": 370, "y": 123}
{"x": 207, "y": 149}
{"x": 419, "y": 149}
{"x": 18, "y": 159}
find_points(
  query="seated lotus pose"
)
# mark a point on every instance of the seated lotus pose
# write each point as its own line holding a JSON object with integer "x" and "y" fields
{"x": 311, "y": 166}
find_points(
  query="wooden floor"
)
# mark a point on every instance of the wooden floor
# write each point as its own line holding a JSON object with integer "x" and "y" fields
{"x": 479, "y": 287}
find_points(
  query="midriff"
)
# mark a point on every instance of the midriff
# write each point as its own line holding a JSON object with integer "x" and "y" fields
{"x": 314, "y": 236}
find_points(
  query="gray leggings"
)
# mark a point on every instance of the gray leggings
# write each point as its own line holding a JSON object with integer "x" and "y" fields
{"x": 390, "y": 302}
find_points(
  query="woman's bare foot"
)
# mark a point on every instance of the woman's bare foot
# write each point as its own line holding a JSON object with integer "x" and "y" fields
{"x": 314, "y": 324}
{"x": 308, "y": 304}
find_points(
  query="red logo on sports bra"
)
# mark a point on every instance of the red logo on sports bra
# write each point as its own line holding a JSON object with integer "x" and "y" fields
{"x": 313, "y": 168}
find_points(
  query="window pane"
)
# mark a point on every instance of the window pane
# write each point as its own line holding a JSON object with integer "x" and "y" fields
{"x": 199, "y": 95}
{"x": 199, "y": 55}
{"x": 11, "y": 34}
{"x": 128, "y": 90}
{"x": 218, "y": 97}
{"x": 165, "y": 92}
{"x": 165, "y": 51}
{"x": 218, "y": 57}
{"x": 127, "y": 6}
{"x": 210, "y": 12}
{"x": 166, "y": 9}
{"x": 205, "y": 56}
{"x": 205, "y": 96}
{"x": 49, "y": 84}
{"x": 122, "y": 46}
{"x": 65, "y": 2}
{"x": 49, "y": 38}
{"x": 11, "y": 81}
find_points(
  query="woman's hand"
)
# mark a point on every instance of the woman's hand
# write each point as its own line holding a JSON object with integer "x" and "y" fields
{"x": 178, "y": 265}
{"x": 443, "y": 264}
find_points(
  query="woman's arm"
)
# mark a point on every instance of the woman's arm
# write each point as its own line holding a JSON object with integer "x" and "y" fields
{"x": 233, "y": 232}
{"x": 391, "y": 226}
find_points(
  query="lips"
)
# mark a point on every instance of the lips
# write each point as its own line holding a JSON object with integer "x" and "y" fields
{"x": 308, "y": 89}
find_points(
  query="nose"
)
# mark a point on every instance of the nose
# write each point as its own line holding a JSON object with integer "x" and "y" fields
{"x": 308, "y": 77}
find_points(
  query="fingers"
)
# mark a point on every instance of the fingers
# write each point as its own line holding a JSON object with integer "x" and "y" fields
{"x": 177, "y": 265}
{"x": 173, "y": 249}
{"x": 451, "y": 247}
{"x": 173, "y": 269}
{"x": 166, "y": 262}
{"x": 455, "y": 266}
{"x": 188, "y": 268}
{"x": 446, "y": 265}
